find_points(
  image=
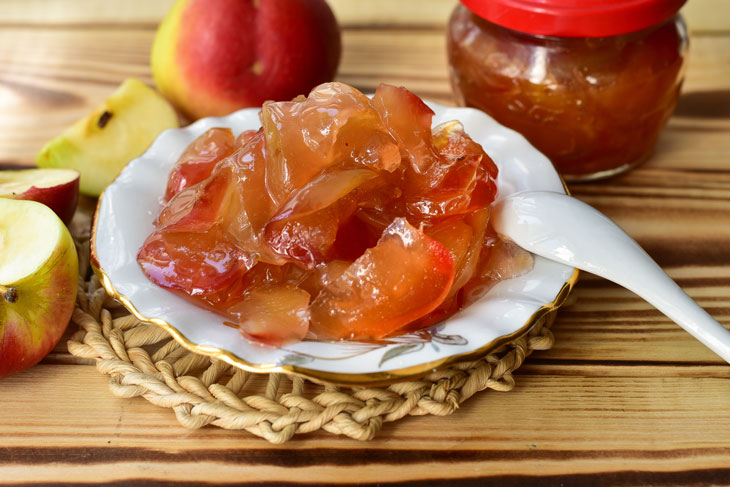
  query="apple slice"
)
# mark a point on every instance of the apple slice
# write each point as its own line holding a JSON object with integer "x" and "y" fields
{"x": 56, "y": 188}
{"x": 38, "y": 283}
{"x": 102, "y": 143}
{"x": 404, "y": 277}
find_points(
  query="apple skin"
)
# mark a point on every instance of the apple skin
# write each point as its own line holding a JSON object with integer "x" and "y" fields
{"x": 35, "y": 314}
{"x": 62, "y": 198}
{"x": 212, "y": 57}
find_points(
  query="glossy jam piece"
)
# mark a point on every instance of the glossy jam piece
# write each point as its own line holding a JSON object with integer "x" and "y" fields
{"x": 206, "y": 227}
{"x": 245, "y": 137}
{"x": 265, "y": 274}
{"x": 323, "y": 191}
{"x": 324, "y": 275}
{"x": 408, "y": 120}
{"x": 303, "y": 137}
{"x": 275, "y": 315}
{"x": 307, "y": 239}
{"x": 463, "y": 236}
{"x": 205, "y": 266}
{"x": 197, "y": 161}
{"x": 306, "y": 226}
{"x": 498, "y": 260}
{"x": 594, "y": 106}
{"x": 405, "y": 276}
{"x": 197, "y": 208}
{"x": 467, "y": 181}
{"x": 252, "y": 208}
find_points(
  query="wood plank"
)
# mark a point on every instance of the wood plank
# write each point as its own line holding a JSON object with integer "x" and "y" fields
{"x": 75, "y": 431}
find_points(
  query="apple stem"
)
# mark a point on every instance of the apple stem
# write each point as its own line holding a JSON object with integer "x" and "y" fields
{"x": 10, "y": 294}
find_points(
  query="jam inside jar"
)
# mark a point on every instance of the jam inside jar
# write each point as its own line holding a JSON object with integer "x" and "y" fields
{"x": 593, "y": 104}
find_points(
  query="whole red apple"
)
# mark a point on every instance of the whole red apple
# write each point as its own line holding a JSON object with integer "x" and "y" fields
{"x": 38, "y": 282}
{"x": 212, "y": 57}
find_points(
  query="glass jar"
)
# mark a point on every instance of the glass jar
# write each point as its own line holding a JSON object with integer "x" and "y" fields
{"x": 590, "y": 85}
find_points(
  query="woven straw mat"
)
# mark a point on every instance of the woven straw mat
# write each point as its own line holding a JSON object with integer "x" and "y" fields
{"x": 144, "y": 361}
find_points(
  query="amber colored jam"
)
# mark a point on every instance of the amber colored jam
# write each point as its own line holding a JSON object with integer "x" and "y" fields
{"x": 594, "y": 106}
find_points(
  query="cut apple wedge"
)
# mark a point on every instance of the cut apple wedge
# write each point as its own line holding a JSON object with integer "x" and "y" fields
{"x": 102, "y": 143}
{"x": 38, "y": 283}
{"x": 56, "y": 188}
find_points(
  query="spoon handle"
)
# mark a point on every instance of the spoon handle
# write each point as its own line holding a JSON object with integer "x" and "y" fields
{"x": 564, "y": 229}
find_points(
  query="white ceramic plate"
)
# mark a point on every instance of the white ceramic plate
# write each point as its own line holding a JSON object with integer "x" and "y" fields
{"x": 129, "y": 206}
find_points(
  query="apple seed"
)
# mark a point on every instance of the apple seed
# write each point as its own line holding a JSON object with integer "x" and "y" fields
{"x": 103, "y": 119}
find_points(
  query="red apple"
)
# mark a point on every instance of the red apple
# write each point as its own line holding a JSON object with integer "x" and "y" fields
{"x": 56, "y": 188}
{"x": 38, "y": 283}
{"x": 212, "y": 57}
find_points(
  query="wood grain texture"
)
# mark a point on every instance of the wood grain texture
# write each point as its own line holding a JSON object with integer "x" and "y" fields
{"x": 624, "y": 398}
{"x": 552, "y": 426}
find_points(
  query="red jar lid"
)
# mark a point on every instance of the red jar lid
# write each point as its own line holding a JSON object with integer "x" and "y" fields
{"x": 575, "y": 18}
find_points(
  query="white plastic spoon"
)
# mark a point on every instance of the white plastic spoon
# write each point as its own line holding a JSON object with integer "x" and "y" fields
{"x": 564, "y": 229}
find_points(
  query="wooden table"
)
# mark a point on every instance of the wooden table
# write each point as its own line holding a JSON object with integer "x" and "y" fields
{"x": 624, "y": 398}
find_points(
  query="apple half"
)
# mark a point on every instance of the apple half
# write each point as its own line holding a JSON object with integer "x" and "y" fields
{"x": 38, "y": 282}
{"x": 56, "y": 188}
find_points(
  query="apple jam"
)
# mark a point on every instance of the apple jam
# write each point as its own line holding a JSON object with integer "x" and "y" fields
{"x": 593, "y": 105}
{"x": 341, "y": 218}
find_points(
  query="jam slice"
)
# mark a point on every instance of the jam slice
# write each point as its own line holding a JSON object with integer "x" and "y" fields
{"x": 197, "y": 208}
{"x": 405, "y": 276}
{"x": 205, "y": 266}
{"x": 205, "y": 244}
{"x": 251, "y": 210}
{"x": 273, "y": 315}
{"x": 307, "y": 239}
{"x": 408, "y": 120}
{"x": 334, "y": 125}
{"x": 191, "y": 251}
{"x": 245, "y": 137}
{"x": 457, "y": 236}
{"x": 467, "y": 177}
{"x": 306, "y": 226}
{"x": 199, "y": 159}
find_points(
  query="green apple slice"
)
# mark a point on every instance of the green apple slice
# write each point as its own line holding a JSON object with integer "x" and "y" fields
{"x": 102, "y": 143}
{"x": 38, "y": 282}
